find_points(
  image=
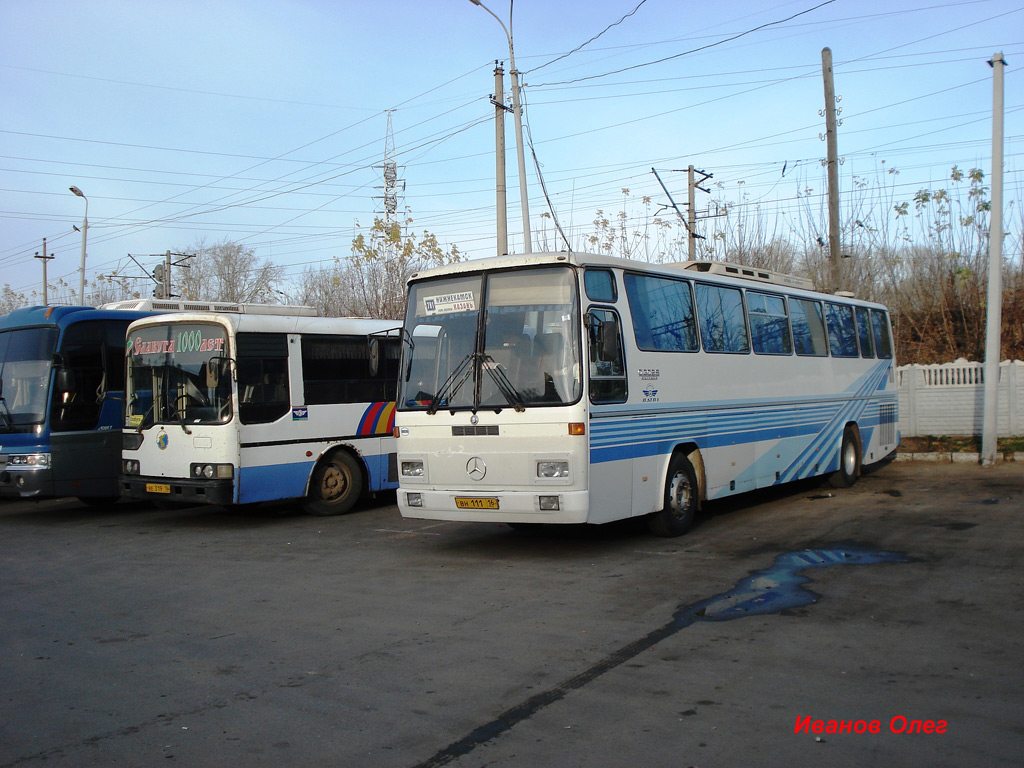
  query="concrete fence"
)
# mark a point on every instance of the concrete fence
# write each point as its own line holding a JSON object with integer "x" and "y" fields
{"x": 948, "y": 398}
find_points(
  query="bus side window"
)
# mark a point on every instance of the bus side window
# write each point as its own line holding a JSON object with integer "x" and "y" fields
{"x": 769, "y": 324}
{"x": 883, "y": 342}
{"x": 337, "y": 369}
{"x": 83, "y": 355}
{"x": 600, "y": 285}
{"x": 808, "y": 328}
{"x": 607, "y": 369}
{"x": 262, "y": 377}
{"x": 867, "y": 346}
{"x": 723, "y": 327}
{"x": 842, "y": 330}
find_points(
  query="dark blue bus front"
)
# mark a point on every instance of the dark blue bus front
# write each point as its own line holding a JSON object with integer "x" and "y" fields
{"x": 61, "y": 399}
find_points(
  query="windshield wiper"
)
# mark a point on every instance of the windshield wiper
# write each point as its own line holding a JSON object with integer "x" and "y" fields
{"x": 142, "y": 421}
{"x": 505, "y": 385}
{"x": 450, "y": 386}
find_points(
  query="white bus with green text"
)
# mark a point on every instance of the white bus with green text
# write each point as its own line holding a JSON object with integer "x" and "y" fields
{"x": 573, "y": 388}
{"x": 264, "y": 404}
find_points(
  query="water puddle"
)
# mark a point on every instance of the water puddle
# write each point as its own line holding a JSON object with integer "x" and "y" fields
{"x": 779, "y": 587}
{"x": 770, "y": 590}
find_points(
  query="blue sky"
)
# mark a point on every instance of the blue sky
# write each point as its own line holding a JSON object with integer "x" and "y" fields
{"x": 265, "y": 122}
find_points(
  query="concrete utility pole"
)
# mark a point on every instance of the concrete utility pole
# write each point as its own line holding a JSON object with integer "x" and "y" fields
{"x": 45, "y": 259}
{"x": 994, "y": 310}
{"x": 517, "y": 114}
{"x": 501, "y": 201}
{"x": 690, "y": 220}
{"x": 167, "y": 275}
{"x": 833, "y": 169}
{"x": 691, "y": 215}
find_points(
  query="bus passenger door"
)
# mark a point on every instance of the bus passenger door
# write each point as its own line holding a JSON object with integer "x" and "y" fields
{"x": 612, "y": 443}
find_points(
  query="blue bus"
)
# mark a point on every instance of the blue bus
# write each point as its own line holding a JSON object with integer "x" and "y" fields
{"x": 61, "y": 402}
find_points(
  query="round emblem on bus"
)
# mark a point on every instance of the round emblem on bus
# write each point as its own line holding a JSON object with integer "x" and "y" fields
{"x": 161, "y": 440}
{"x": 476, "y": 468}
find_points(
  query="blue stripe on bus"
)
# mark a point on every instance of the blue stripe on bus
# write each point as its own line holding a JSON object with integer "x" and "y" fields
{"x": 273, "y": 481}
{"x": 644, "y": 433}
{"x": 288, "y": 481}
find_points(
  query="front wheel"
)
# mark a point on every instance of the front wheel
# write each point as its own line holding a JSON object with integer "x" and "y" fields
{"x": 336, "y": 486}
{"x": 676, "y": 517}
{"x": 849, "y": 460}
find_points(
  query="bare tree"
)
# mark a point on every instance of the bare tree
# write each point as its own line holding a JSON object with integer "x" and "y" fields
{"x": 11, "y": 299}
{"x": 634, "y": 232}
{"x": 370, "y": 282}
{"x": 229, "y": 271}
{"x": 380, "y": 264}
{"x": 330, "y": 290}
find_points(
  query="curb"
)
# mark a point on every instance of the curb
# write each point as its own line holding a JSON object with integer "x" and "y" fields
{"x": 958, "y": 457}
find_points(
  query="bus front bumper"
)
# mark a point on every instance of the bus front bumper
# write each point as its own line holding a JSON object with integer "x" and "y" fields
{"x": 502, "y": 507}
{"x": 35, "y": 483}
{"x": 177, "y": 490}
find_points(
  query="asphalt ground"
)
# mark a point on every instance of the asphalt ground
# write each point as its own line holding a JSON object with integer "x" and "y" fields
{"x": 782, "y": 625}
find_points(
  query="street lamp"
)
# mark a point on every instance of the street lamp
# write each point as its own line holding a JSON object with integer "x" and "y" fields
{"x": 517, "y": 113}
{"x": 85, "y": 230}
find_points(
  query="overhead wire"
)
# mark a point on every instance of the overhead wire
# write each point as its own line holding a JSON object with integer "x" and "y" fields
{"x": 256, "y": 200}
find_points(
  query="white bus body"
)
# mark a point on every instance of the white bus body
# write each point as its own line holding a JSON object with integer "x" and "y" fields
{"x": 228, "y": 408}
{"x": 572, "y": 388}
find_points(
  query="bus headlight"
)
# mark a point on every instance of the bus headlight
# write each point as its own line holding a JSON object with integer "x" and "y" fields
{"x": 414, "y": 499}
{"x": 212, "y": 471}
{"x": 548, "y": 503}
{"x": 552, "y": 469}
{"x": 412, "y": 468}
{"x": 28, "y": 460}
{"x": 131, "y": 467}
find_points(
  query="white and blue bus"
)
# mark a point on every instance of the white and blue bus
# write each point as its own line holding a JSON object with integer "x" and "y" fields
{"x": 61, "y": 396}
{"x": 573, "y": 388}
{"x": 236, "y": 408}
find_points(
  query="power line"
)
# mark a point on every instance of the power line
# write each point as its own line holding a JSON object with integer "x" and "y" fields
{"x": 694, "y": 50}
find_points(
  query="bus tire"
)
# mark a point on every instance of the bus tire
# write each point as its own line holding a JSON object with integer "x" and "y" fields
{"x": 676, "y": 517}
{"x": 849, "y": 460}
{"x": 336, "y": 485}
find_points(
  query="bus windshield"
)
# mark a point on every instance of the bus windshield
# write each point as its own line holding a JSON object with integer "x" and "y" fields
{"x": 26, "y": 356}
{"x": 178, "y": 374}
{"x": 491, "y": 341}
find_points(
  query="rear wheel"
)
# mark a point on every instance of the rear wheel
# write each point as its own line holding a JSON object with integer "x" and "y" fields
{"x": 336, "y": 485}
{"x": 849, "y": 460}
{"x": 676, "y": 517}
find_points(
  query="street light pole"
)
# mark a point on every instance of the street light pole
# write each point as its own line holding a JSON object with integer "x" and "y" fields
{"x": 517, "y": 113}
{"x": 85, "y": 230}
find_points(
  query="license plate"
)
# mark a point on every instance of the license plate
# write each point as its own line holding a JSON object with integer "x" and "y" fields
{"x": 157, "y": 488}
{"x": 476, "y": 503}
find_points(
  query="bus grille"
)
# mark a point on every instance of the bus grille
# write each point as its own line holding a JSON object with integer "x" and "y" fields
{"x": 887, "y": 424}
{"x": 473, "y": 430}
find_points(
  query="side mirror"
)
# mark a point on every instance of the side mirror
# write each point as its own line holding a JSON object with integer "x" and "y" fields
{"x": 65, "y": 381}
{"x": 609, "y": 340}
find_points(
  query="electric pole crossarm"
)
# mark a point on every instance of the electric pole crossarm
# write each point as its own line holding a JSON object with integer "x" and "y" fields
{"x": 690, "y": 220}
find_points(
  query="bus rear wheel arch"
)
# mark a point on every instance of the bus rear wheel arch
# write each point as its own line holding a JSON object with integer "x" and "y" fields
{"x": 849, "y": 459}
{"x": 336, "y": 485}
{"x": 681, "y": 499}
